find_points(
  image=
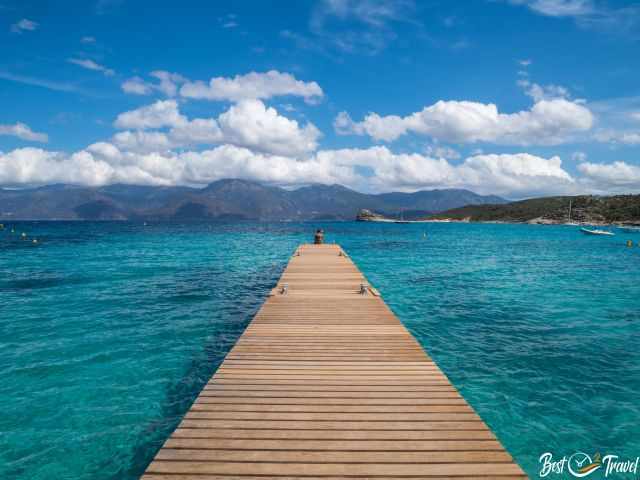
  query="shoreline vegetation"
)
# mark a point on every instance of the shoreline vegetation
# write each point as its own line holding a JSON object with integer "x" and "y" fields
{"x": 622, "y": 210}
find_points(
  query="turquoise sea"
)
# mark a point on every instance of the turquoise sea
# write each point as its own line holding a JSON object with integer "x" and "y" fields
{"x": 109, "y": 330}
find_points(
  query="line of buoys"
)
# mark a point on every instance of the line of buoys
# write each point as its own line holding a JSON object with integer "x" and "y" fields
{"x": 23, "y": 235}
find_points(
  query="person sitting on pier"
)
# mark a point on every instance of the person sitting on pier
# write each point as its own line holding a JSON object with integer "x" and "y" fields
{"x": 318, "y": 239}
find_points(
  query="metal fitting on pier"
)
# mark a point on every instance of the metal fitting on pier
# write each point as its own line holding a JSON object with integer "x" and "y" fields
{"x": 284, "y": 289}
{"x": 364, "y": 289}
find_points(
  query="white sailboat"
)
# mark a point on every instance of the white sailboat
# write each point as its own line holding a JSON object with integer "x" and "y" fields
{"x": 569, "y": 222}
{"x": 402, "y": 220}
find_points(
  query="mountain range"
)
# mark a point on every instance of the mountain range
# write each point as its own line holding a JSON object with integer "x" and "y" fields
{"x": 229, "y": 199}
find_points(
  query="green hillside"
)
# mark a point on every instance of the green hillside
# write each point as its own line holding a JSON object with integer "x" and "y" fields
{"x": 585, "y": 208}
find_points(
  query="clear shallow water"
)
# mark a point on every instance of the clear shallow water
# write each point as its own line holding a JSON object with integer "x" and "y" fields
{"x": 109, "y": 330}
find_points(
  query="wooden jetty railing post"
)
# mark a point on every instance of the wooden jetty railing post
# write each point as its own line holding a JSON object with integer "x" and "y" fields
{"x": 327, "y": 383}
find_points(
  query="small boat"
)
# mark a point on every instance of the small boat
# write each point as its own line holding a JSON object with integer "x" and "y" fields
{"x": 401, "y": 219}
{"x": 596, "y": 231}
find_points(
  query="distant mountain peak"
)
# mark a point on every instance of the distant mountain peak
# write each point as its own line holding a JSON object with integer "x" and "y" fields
{"x": 234, "y": 181}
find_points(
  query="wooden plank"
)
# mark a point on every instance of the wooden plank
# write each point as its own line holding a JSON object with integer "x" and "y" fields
{"x": 200, "y": 405}
{"x": 335, "y": 469}
{"x": 294, "y": 454}
{"x": 326, "y": 383}
{"x": 333, "y": 445}
{"x": 442, "y": 436}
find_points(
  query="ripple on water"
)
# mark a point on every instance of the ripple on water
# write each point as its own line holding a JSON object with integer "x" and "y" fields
{"x": 111, "y": 329}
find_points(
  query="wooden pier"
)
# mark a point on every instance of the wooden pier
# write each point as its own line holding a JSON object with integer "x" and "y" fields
{"x": 327, "y": 383}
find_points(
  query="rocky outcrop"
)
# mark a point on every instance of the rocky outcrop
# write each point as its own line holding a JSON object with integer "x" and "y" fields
{"x": 366, "y": 215}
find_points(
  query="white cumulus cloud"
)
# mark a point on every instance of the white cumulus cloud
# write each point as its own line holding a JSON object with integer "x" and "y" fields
{"x": 163, "y": 113}
{"x": 37, "y": 166}
{"x": 543, "y": 92}
{"x": 514, "y": 175}
{"x": 103, "y": 163}
{"x": 611, "y": 177}
{"x": 250, "y": 86}
{"x": 23, "y": 132}
{"x": 253, "y": 85}
{"x": 137, "y": 86}
{"x": 167, "y": 84}
{"x": 441, "y": 151}
{"x": 624, "y": 137}
{"x": 249, "y": 123}
{"x": 548, "y": 122}
{"x": 143, "y": 141}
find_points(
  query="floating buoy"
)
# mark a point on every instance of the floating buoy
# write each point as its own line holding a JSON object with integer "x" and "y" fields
{"x": 35, "y": 240}
{"x": 629, "y": 243}
{"x": 424, "y": 234}
{"x": 13, "y": 231}
{"x": 24, "y": 235}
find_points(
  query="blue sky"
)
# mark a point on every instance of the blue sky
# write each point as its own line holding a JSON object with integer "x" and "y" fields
{"x": 515, "y": 97}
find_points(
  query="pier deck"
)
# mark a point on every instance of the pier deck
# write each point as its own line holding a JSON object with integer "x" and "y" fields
{"x": 327, "y": 383}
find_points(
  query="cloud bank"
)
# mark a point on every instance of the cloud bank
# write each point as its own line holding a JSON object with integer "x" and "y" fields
{"x": 159, "y": 144}
{"x": 548, "y": 122}
{"x": 514, "y": 175}
{"x": 252, "y": 85}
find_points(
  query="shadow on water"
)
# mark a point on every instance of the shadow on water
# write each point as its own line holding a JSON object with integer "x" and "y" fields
{"x": 180, "y": 395}
{"x": 20, "y": 285}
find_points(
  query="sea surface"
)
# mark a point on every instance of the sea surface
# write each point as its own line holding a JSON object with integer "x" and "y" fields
{"x": 109, "y": 330}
